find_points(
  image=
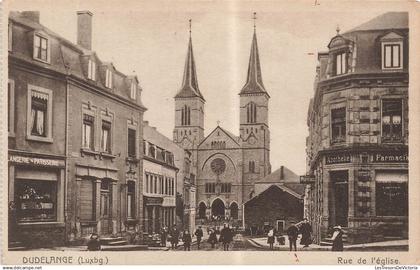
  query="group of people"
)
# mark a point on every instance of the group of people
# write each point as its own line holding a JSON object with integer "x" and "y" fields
{"x": 226, "y": 237}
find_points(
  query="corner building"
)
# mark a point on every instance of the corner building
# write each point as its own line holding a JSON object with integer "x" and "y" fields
{"x": 227, "y": 165}
{"x": 357, "y": 148}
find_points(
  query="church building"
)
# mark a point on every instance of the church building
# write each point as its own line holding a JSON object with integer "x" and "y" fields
{"x": 227, "y": 165}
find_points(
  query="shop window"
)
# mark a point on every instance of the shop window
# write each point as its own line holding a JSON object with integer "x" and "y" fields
{"x": 41, "y": 48}
{"x": 91, "y": 70}
{"x": 88, "y": 131}
{"x": 131, "y": 201}
{"x": 36, "y": 200}
{"x": 226, "y": 188}
{"x": 210, "y": 188}
{"x": 340, "y": 64}
{"x": 106, "y": 137}
{"x": 11, "y": 107}
{"x": 131, "y": 143}
{"x": 251, "y": 166}
{"x": 392, "y": 55}
{"x": 338, "y": 125}
{"x": 108, "y": 78}
{"x": 251, "y": 113}
{"x": 391, "y": 194}
{"x": 391, "y": 120}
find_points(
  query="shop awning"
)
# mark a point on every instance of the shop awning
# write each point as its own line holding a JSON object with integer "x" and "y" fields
{"x": 395, "y": 177}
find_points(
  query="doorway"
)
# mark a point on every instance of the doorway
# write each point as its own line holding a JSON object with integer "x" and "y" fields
{"x": 339, "y": 200}
{"x": 106, "y": 207}
{"x": 280, "y": 226}
{"x": 218, "y": 208}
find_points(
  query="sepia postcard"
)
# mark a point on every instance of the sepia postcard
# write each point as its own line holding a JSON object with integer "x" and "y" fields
{"x": 210, "y": 132}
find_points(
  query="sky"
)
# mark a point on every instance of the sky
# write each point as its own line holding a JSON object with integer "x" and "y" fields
{"x": 150, "y": 38}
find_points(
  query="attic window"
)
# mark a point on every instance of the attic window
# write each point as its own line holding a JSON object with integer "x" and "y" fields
{"x": 392, "y": 56}
{"x": 41, "y": 48}
{"x": 92, "y": 70}
{"x": 108, "y": 78}
{"x": 133, "y": 90}
{"x": 340, "y": 64}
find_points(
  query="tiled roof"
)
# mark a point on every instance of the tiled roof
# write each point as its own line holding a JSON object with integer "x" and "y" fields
{"x": 389, "y": 20}
{"x": 254, "y": 82}
{"x": 189, "y": 86}
{"x": 275, "y": 177}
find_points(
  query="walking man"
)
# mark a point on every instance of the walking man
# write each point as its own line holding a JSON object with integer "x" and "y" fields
{"x": 186, "y": 238}
{"x": 174, "y": 237}
{"x": 226, "y": 236}
{"x": 199, "y": 234}
{"x": 292, "y": 233}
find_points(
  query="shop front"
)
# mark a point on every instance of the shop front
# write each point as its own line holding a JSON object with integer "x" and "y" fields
{"x": 159, "y": 213}
{"x": 36, "y": 200}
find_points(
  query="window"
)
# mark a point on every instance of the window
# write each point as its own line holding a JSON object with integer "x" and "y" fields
{"x": 36, "y": 200}
{"x": 391, "y": 193}
{"x": 392, "y": 55}
{"x": 131, "y": 143}
{"x": 338, "y": 125}
{"x": 161, "y": 184}
{"x": 144, "y": 147}
{"x": 133, "y": 90}
{"x": 108, "y": 78}
{"x": 87, "y": 132}
{"x": 106, "y": 137}
{"x": 155, "y": 184}
{"x": 185, "y": 116}
{"x": 251, "y": 166}
{"x": 41, "y": 48}
{"x": 152, "y": 150}
{"x": 166, "y": 186}
{"x": 91, "y": 70}
{"x": 226, "y": 188}
{"x": 251, "y": 113}
{"x": 169, "y": 158}
{"x": 391, "y": 120}
{"x": 39, "y": 114}
{"x": 147, "y": 183}
{"x": 160, "y": 154}
{"x": 131, "y": 201}
{"x": 340, "y": 64}
{"x": 10, "y": 37}
{"x": 11, "y": 107}
{"x": 210, "y": 188}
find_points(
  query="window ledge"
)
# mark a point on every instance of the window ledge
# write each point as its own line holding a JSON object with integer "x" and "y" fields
{"x": 39, "y": 138}
{"x": 107, "y": 155}
{"x": 87, "y": 151}
{"x": 42, "y": 61}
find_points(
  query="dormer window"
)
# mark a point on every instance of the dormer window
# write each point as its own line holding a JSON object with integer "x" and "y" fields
{"x": 133, "y": 90}
{"x": 91, "y": 70}
{"x": 391, "y": 55}
{"x": 340, "y": 64}
{"x": 41, "y": 48}
{"x": 108, "y": 78}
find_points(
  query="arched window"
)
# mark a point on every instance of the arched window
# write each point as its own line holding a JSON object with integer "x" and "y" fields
{"x": 234, "y": 210}
{"x": 252, "y": 166}
{"x": 251, "y": 113}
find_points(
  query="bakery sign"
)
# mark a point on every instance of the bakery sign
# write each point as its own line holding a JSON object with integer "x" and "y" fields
{"x": 338, "y": 159}
{"x": 36, "y": 161}
{"x": 384, "y": 157}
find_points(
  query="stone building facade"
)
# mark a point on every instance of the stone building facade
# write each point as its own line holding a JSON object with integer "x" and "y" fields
{"x": 357, "y": 148}
{"x": 75, "y": 168}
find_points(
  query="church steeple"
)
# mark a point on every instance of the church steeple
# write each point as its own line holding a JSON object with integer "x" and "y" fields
{"x": 189, "y": 86}
{"x": 254, "y": 82}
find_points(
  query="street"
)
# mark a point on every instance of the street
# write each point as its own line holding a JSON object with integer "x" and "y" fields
{"x": 240, "y": 243}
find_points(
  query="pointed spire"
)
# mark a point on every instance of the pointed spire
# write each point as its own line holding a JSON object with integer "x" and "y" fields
{"x": 189, "y": 86}
{"x": 254, "y": 83}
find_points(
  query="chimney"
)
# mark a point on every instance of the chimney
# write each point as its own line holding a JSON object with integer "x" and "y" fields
{"x": 281, "y": 173}
{"x": 84, "y": 29}
{"x": 31, "y": 15}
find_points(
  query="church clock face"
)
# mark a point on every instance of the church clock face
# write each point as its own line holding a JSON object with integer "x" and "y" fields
{"x": 218, "y": 166}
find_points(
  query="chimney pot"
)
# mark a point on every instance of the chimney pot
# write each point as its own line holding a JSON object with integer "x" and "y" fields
{"x": 31, "y": 15}
{"x": 84, "y": 29}
{"x": 281, "y": 173}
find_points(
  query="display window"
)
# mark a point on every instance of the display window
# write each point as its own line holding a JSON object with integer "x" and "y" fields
{"x": 391, "y": 194}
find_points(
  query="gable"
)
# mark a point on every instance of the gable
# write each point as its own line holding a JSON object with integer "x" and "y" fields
{"x": 391, "y": 36}
{"x": 219, "y": 139}
{"x": 279, "y": 191}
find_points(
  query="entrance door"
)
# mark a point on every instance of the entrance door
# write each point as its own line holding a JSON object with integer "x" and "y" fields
{"x": 218, "y": 208}
{"x": 340, "y": 198}
{"x": 280, "y": 226}
{"x": 106, "y": 207}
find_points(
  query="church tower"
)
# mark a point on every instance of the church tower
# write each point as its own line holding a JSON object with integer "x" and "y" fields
{"x": 253, "y": 129}
{"x": 189, "y": 106}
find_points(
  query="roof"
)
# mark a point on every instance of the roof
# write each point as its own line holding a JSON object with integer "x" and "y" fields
{"x": 389, "y": 20}
{"x": 280, "y": 187}
{"x": 189, "y": 86}
{"x": 275, "y": 177}
{"x": 254, "y": 82}
{"x": 233, "y": 137}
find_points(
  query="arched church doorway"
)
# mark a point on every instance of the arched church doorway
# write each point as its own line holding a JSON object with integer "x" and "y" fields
{"x": 234, "y": 210}
{"x": 218, "y": 208}
{"x": 202, "y": 210}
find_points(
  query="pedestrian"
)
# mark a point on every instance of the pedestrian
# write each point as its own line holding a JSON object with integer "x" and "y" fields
{"x": 212, "y": 238}
{"x": 174, "y": 237}
{"x": 199, "y": 234}
{"x": 337, "y": 239}
{"x": 94, "y": 243}
{"x": 292, "y": 233}
{"x": 226, "y": 236}
{"x": 306, "y": 231}
{"x": 186, "y": 238}
{"x": 163, "y": 236}
{"x": 270, "y": 238}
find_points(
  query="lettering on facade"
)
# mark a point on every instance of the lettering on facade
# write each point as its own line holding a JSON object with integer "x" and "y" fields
{"x": 338, "y": 159}
{"x": 153, "y": 200}
{"x": 36, "y": 161}
{"x": 394, "y": 157}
